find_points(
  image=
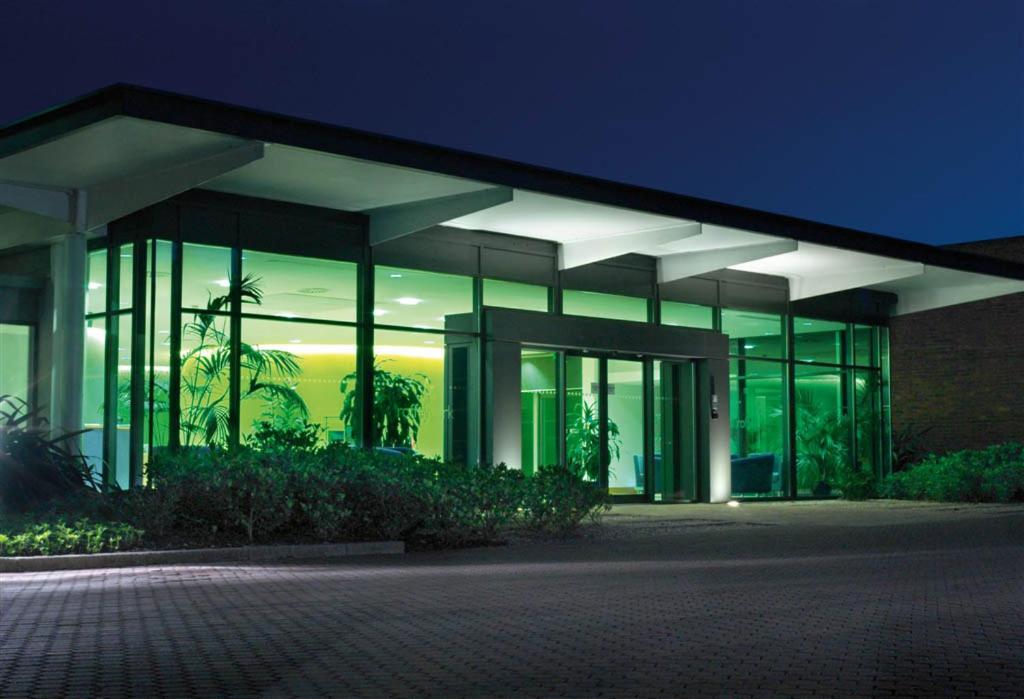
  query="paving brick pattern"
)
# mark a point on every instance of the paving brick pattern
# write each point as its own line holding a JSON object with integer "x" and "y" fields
{"x": 704, "y": 607}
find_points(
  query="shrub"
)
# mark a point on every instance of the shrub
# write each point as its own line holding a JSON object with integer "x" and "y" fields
{"x": 35, "y": 467}
{"x": 59, "y": 537}
{"x": 557, "y": 500}
{"x": 858, "y": 484}
{"x": 473, "y": 504}
{"x": 993, "y": 474}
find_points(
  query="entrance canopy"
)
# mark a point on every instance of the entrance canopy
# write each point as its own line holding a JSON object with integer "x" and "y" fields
{"x": 85, "y": 164}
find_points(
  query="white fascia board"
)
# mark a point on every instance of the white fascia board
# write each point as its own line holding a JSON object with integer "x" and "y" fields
{"x": 399, "y": 220}
{"x": 688, "y": 264}
{"x": 803, "y": 287}
{"x": 111, "y": 200}
{"x": 584, "y": 252}
{"x": 917, "y": 300}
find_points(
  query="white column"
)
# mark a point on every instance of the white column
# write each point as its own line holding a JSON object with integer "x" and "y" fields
{"x": 67, "y": 277}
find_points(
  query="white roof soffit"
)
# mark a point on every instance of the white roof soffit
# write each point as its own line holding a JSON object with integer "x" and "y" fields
{"x": 815, "y": 270}
{"x": 938, "y": 287}
{"x": 107, "y": 170}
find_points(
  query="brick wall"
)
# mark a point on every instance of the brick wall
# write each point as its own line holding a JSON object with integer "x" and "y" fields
{"x": 960, "y": 370}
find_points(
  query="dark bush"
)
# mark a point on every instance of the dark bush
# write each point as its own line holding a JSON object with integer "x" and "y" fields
{"x": 37, "y": 468}
{"x": 558, "y": 501}
{"x": 859, "y": 484}
{"x": 993, "y": 474}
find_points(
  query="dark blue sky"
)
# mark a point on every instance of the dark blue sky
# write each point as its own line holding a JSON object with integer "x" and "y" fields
{"x": 895, "y": 116}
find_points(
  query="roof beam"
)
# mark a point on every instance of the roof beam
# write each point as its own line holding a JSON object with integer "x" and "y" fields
{"x": 42, "y": 201}
{"x": 806, "y": 287}
{"x": 399, "y": 220}
{"x": 111, "y": 200}
{"x": 917, "y": 300}
{"x": 97, "y": 205}
{"x": 584, "y": 252}
{"x": 688, "y": 264}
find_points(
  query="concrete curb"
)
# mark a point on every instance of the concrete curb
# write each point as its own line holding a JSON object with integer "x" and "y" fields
{"x": 244, "y": 554}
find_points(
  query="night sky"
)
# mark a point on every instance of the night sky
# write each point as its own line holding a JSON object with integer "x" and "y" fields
{"x": 895, "y": 116}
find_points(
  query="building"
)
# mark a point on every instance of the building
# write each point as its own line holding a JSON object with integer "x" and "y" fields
{"x": 957, "y": 380}
{"x": 174, "y": 271}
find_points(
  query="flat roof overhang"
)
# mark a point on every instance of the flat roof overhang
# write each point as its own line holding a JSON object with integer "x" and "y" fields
{"x": 82, "y": 165}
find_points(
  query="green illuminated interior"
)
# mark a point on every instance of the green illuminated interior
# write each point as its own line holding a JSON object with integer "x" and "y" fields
{"x": 294, "y": 336}
{"x": 526, "y": 297}
{"x": 597, "y": 305}
{"x": 689, "y": 315}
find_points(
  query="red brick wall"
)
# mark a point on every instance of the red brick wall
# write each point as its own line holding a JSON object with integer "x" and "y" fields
{"x": 960, "y": 370}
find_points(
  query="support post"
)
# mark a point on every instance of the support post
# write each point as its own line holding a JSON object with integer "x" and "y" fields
{"x": 67, "y": 273}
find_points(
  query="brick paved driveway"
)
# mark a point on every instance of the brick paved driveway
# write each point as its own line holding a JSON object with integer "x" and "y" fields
{"x": 770, "y": 600}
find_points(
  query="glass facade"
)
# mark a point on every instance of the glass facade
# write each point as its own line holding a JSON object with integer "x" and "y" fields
{"x": 539, "y": 396}
{"x": 526, "y": 297}
{"x": 15, "y": 361}
{"x": 597, "y": 305}
{"x": 191, "y": 344}
{"x": 690, "y": 315}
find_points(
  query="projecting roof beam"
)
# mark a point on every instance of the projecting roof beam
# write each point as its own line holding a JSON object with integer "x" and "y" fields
{"x": 42, "y": 201}
{"x": 97, "y": 205}
{"x": 917, "y": 300}
{"x": 688, "y": 264}
{"x": 107, "y": 201}
{"x": 584, "y": 252}
{"x": 398, "y": 220}
{"x": 806, "y": 287}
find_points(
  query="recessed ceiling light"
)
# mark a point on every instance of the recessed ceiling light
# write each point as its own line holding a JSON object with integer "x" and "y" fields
{"x": 808, "y": 323}
{"x": 422, "y": 327}
{"x": 409, "y": 301}
{"x": 379, "y": 312}
{"x": 285, "y": 314}
{"x": 295, "y": 340}
{"x": 95, "y": 285}
{"x": 396, "y": 276}
{"x": 749, "y": 346}
{"x": 429, "y": 342}
{"x": 222, "y": 282}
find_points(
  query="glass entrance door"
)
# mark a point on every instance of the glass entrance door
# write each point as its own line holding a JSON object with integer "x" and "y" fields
{"x": 629, "y": 424}
{"x": 676, "y": 447}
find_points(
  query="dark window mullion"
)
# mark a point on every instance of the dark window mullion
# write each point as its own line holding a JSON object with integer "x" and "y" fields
{"x": 235, "y": 345}
{"x": 174, "y": 379}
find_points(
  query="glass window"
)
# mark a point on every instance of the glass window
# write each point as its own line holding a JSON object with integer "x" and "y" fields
{"x": 205, "y": 277}
{"x": 205, "y": 379}
{"x": 819, "y": 341}
{"x": 690, "y": 315}
{"x": 757, "y": 421}
{"x": 96, "y": 282}
{"x": 823, "y": 430}
{"x": 409, "y": 387}
{"x": 121, "y": 451}
{"x": 864, "y": 353}
{"x": 158, "y": 352}
{"x": 597, "y": 305}
{"x": 124, "y": 275}
{"x": 294, "y": 373}
{"x": 418, "y": 299}
{"x": 868, "y": 415}
{"x": 302, "y": 287}
{"x": 15, "y": 360}
{"x": 582, "y": 416}
{"x": 527, "y": 297}
{"x": 539, "y": 409}
{"x": 753, "y": 334}
{"x": 625, "y": 427}
{"x": 93, "y": 392}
